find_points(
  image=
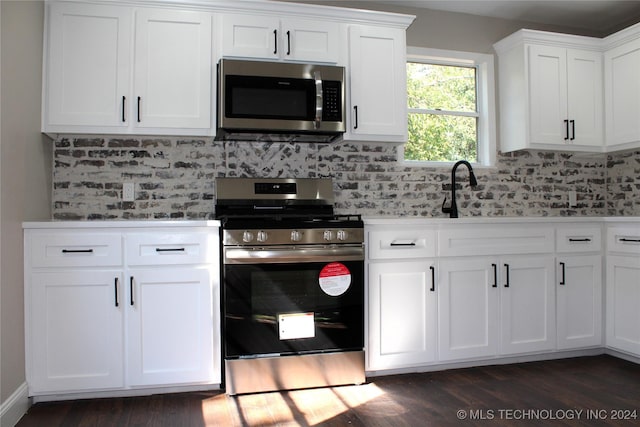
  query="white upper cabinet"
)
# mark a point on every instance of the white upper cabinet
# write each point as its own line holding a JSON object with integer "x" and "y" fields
{"x": 173, "y": 70}
{"x": 265, "y": 37}
{"x": 551, "y": 94}
{"x": 87, "y": 65}
{"x": 92, "y": 54}
{"x": 566, "y": 96}
{"x": 622, "y": 89}
{"x": 378, "y": 81}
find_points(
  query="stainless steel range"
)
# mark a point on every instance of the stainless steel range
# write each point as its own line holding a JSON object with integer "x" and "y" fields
{"x": 293, "y": 286}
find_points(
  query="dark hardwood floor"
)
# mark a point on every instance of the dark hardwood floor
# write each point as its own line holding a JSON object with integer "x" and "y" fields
{"x": 589, "y": 391}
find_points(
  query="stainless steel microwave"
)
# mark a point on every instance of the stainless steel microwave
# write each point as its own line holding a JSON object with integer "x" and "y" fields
{"x": 277, "y": 100}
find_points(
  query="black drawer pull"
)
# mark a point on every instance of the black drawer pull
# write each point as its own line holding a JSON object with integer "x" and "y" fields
{"x": 495, "y": 275}
{"x": 170, "y": 250}
{"x": 115, "y": 286}
{"x": 580, "y": 240}
{"x": 402, "y": 244}
{"x": 131, "y": 291}
{"x": 624, "y": 239}
{"x": 506, "y": 285}
{"x": 77, "y": 251}
{"x": 433, "y": 278}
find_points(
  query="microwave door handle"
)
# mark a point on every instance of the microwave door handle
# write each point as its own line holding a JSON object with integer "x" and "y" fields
{"x": 318, "y": 79}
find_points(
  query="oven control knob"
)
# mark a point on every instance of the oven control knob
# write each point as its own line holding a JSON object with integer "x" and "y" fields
{"x": 295, "y": 236}
{"x": 262, "y": 236}
{"x": 328, "y": 235}
{"x": 342, "y": 235}
{"x": 247, "y": 236}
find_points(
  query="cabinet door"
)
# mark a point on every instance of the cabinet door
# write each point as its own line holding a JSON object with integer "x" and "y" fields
{"x": 402, "y": 314}
{"x": 584, "y": 96}
{"x": 527, "y": 304}
{"x": 75, "y": 330}
{"x": 251, "y": 36}
{"x": 314, "y": 41}
{"x": 378, "y": 79}
{"x": 468, "y": 298}
{"x": 548, "y": 94}
{"x": 170, "y": 326}
{"x": 87, "y": 62}
{"x": 579, "y": 299}
{"x": 622, "y": 89}
{"x": 623, "y": 303}
{"x": 173, "y": 70}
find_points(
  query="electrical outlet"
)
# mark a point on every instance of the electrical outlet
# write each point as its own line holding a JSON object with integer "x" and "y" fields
{"x": 128, "y": 192}
{"x": 573, "y": 199}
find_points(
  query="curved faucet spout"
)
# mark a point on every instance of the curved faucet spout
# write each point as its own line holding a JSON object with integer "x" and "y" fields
{"x": 452, "y": 210}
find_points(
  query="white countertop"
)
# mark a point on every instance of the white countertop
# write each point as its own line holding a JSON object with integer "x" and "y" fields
{"x": 382, "y": 220}
{"x": 121, "y": 224}
{"x": 493, "y": 220}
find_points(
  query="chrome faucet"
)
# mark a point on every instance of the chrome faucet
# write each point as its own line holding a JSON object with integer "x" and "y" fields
{"x": 452, "y": 210}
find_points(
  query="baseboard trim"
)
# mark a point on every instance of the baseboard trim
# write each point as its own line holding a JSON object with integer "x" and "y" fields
{"x": 14, "y": 407}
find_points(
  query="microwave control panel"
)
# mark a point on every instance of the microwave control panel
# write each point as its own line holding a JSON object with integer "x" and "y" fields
{"x": 332, "y": 101}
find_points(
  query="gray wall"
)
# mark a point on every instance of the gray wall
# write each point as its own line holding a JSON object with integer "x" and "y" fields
{"x": 25, "y": 170}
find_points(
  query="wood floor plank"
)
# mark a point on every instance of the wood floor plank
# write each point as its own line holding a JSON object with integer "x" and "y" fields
{"x": 503, "y": 395}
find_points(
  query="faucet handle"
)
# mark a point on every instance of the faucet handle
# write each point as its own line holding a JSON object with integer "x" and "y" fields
{"x": 446, "y": 207}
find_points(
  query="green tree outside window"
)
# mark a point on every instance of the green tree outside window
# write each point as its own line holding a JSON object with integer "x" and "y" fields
{"x": 442, "y": 113}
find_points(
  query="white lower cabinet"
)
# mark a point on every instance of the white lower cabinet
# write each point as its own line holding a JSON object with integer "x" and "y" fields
{"x": 402, "y": 307}
{"x": 468, "y": 304}
{"x": 623, "y": 303}
{"x": 490, "y": 306}
{"x": 169, "y": 326}
{"x": 579, "y": 301}
{"x": 121, "y": 309}
{"x": 75, "y": 331}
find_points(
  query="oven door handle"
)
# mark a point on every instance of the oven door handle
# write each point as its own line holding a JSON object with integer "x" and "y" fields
{"x": 289, "y": 254}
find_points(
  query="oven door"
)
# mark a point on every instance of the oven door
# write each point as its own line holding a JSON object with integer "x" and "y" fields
{"x": 282, "y": 306}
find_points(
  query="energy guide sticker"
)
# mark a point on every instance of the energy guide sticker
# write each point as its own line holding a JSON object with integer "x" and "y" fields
{"x": 335, "y": 279}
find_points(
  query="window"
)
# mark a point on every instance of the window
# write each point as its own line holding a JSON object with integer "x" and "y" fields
{"x": 451, "y": 111}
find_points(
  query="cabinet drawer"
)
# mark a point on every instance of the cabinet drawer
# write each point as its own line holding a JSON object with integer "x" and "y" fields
{"x": 169, "y": 248}
{"x": 624, "y": 239}
{"x": 587, "y": 239}
{"x": 76, "y": 250}
{"x": 520, "y": 239}
{"x": 402, "y": 243}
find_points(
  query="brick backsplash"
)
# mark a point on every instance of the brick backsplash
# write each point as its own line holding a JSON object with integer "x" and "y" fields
{"x": 174, "y": 179}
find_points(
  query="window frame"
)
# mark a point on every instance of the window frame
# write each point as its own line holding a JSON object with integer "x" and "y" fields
{"x": 485, "y": 99}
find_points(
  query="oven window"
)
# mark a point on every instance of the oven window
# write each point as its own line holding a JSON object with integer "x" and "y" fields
{"x": 269, "y": 98}
{"x": 282, "y": 308}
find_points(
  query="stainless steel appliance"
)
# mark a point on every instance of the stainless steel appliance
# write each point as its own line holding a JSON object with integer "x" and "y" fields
{"x": 292, "y": 286}
{"x": 284, "y": 101}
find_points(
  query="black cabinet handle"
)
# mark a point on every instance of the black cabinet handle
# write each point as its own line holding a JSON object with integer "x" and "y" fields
{"x": 506, "y": 285}
{"x": 566, "y": 129}
{"x": 170, "y": 250}
{"x": 355, "y": 108}
{"x": 115, "y": 287}
{"x": 288, "y": 42}
{"x": 573, "y": 129}
{"x": 624, "y": 239}
{"x": 562, "y": 281}
{"x": 123, "y": 103}
{"x": 580, "y": 240}
{"x": 77, "y": 251}
{"x": 402, "y": 244}
{"x": 495, "y": 275}
{"x": 433, "y": 278}
{"x": 131, "y": 290}
{"x": 139, "y": 109}
{"x": 275, "y": 41}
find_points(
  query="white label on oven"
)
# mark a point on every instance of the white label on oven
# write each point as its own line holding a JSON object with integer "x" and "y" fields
{"x": 335, "y": 279}
{"x": 296, "y": 325}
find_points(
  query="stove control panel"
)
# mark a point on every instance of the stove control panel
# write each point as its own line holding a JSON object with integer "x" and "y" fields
{"x": 312, "y": 236}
